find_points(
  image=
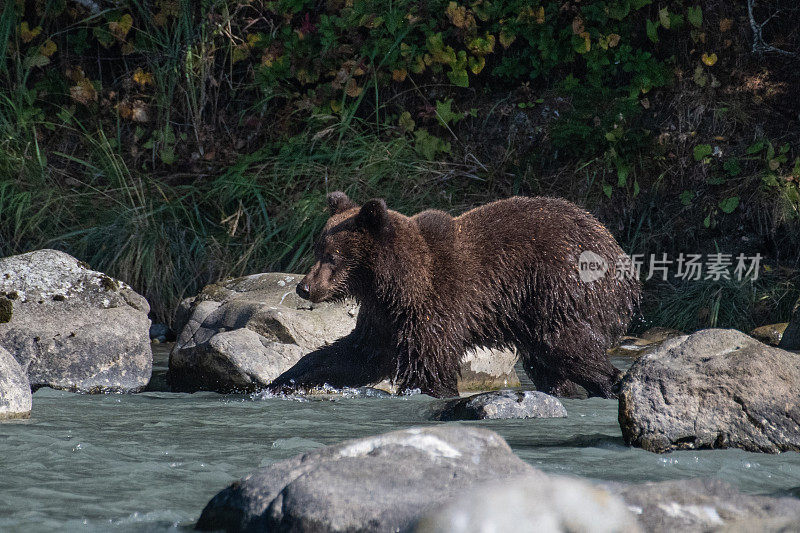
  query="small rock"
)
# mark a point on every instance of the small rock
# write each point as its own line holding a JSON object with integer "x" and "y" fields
{"x": 690, "y": 505}
{"x": 72, "y": 327}
{"x": 770, "y": 334}
{"x": 636, "y": 346}
{"x": 532, "y": 504}
{"x": 15, "y": 391}
{"x": 381, "y": 483}
{"x": 790, "y": 339}
{"x": 160, "y": 333}
{"x": 502, "y": 405}
{"x": 713, "y": 389}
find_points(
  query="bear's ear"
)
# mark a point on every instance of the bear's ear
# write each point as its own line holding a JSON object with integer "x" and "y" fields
{"x": 338, "y": 202}
{"x": 374, "y": 217}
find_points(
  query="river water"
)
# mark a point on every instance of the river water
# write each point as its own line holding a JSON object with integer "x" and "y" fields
{"x": 151, "y": 461}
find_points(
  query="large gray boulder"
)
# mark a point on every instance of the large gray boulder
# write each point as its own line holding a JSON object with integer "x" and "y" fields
{"x": 700, "y": 505}
{"x": 381, "y": 483}
{"x": 500, "y": 405}
{"x": 71, "y": 327}
{"x": 15, "y": 391}
{"x": 532, "y": 504}
{"x": 241, "y": 334}
{"x": 713, "y": 389}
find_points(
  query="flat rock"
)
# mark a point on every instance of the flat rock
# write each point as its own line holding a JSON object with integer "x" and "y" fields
{"x": 15, "y": 391}
{"x": 71, "y": 327}
{"x": 713, "y": 389}
{"x": 700, "y": 505}
{"x": 502, "y": 404}
{"x": 381, "y": 483}
{"x": 532, "y": 504}
{"x": 241, "y": 334}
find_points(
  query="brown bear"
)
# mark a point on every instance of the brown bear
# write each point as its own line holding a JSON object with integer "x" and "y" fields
{"x": 431, "y": 286}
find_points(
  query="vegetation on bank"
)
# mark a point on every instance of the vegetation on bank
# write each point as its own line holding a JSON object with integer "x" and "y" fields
{"x": 172, "y": 142}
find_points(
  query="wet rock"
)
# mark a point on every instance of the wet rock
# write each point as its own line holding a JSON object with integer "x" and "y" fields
{"x": 532, "y": 504}
{"x": 15, "y": 391}
{"x": 790, "y": 340}
{"x": 636, "y": 346}
{"x": 770, "y": 334}
{"x": 713, "y": 389}
{"x": 72, "y": 327}
{"x": 161, "y": 333}
{"x": 690, "y": 505}
{"x": 501, "y": 405}
{"x": 381, "y": 483}
{"x": 241, "y": 334}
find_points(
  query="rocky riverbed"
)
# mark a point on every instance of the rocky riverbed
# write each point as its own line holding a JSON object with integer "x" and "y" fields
{"x": 153, "y": 460}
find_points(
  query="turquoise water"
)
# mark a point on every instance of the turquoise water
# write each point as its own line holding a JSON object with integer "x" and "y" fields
{"x": 151, "y": 461}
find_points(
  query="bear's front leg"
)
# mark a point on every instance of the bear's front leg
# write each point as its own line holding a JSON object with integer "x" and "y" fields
{"x": 431, "y": 368}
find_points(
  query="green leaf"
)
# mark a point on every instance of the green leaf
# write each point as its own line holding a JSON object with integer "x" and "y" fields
{"x": 701, "y": 151}
{"x": 458, "y": 77}
{"x": 167, "y": 155}
{"x": 770, "y": 179}
{"x": 622, "y": 175}
{"x": 36, "y": 60}
{"x": 728, "y": 205}
{"x": 445, "y": 113}
{"x": 663, "y": 17}
{"x": 607, "y": 189}
{"x": 707, "y": 221}
{"x": 695, "y": 16}
{"x": 428, "y": 145}
{"x": 686, "y": 197}
{"x": 732, "y": 167}
{"x": 652, "y": 30}
{"x": 755, "y": 147}
{"x": 406, "y": 122}
{"x": 635, "y": 189}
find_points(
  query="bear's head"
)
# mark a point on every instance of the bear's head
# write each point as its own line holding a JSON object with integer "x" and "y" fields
{"x": 344, "y": 251}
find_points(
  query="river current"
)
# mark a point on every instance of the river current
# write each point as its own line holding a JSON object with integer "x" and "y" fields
{"x": 151, "y": 461}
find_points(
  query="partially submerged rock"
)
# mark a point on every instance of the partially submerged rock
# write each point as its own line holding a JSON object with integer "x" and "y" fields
{"x": 241, "y": 334}
{"x": 690, "y": 505}
{"x": 712, "y": 389}
{"x": 532, "y": 504}
{"x": 71, "y": 327}
{"x": 15, "y": 391}
{"x": 501, "y": 405}
{"x": 381, "y": 483}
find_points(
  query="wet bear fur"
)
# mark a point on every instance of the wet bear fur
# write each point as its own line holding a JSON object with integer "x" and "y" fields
{"x": 431, "y": 286}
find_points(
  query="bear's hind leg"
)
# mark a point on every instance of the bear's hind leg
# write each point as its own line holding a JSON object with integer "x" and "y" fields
{"x": 590, "y": 368}
{"x": 546, "y": 376}
{"x": 563, "y": 364}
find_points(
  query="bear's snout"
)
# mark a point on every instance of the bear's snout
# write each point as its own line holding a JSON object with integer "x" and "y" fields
{"x": 303, "y": 290}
